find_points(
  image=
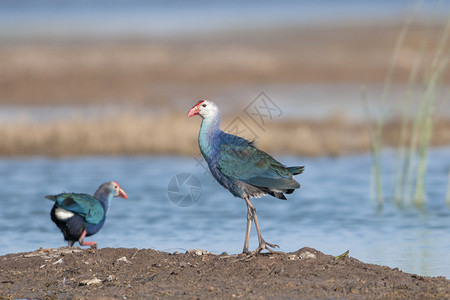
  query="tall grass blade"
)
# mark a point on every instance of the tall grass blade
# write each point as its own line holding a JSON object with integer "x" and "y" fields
{"x": 414, "y": 140}
{"x": 447, "y": 196}
{"x": 438, "y": 66}
{"x": 402, "y": 162}
{"x": 377, "y": 140}
{"x": 376, "y": 189}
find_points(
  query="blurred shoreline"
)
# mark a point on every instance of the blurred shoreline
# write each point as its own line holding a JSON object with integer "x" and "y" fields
{"x": 175, "y": 134}
{"x": 158, "y": 72}
{"x": 138, "y": 91}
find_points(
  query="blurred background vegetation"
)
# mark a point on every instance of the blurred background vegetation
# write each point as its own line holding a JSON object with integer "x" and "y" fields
{"x": 117, "y": 77}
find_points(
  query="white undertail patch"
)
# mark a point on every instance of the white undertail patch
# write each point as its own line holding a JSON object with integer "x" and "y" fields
{"x": 63, "y": 214}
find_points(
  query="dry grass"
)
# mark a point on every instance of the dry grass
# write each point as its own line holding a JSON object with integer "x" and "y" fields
{"x": 160, "y": 72}
{"x": 132, "y": 133}
{"x": 156, "y": 71}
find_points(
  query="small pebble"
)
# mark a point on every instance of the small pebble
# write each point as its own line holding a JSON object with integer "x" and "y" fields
{"x": 307, "y": 254}
{"x": 184, "y": 264}
{"x": 90, "y": 281}
{"x": 123, "y": 259}
{"x": 198, "y": 252}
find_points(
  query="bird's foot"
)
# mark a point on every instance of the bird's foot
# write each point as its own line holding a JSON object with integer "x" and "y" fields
{"x": 265, "y": 246}
{"x": 246, "y": 252}
{"x": 93, "y": 245}
{"x": 83, "y": 243}
{"x": 262, "y": 246}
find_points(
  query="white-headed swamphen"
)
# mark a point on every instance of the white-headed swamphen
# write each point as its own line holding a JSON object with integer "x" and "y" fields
{"x": 242, "y": 168}
{"x": 81, "y": 215}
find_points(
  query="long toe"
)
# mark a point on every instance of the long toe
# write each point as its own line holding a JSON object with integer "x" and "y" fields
{"x": 271, "y": 245}
{"x": 265, "y": 246}
{"x": 93, "y": 245}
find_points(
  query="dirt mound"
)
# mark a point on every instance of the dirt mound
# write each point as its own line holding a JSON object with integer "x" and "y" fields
{"x": 124, "y": 273}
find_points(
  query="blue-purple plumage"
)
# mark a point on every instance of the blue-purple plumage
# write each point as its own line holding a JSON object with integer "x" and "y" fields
{"x": 80, "y": 215}
{"x": 242, "y": 168}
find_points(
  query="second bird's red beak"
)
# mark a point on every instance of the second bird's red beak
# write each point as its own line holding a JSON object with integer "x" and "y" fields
{"x": 194, "y": 110}
{"x": 122, "y": 194}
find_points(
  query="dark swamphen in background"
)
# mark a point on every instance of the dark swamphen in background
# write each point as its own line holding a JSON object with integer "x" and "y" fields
{"x": 242, "y": 168}
{"x": 81, "y": 215}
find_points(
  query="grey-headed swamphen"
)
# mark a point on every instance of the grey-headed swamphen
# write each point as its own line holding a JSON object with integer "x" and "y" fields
{"x": 81, "y": 215}
{"x": 242, "y": 168}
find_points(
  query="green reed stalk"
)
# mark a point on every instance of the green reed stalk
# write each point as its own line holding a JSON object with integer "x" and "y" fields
{"x": 376, "y": 190}
{"x": 403, "y": 161}
{"x": 426, "y": 131}
{"x": 377, "y": 137}
{"x": 436, "y": 70}
{"x": 447, "y": 197}
{"x": 411, "y": 163}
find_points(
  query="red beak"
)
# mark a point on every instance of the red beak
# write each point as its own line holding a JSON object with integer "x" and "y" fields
{"x": 195, "y": 110}
{"x": 122, "y": 194}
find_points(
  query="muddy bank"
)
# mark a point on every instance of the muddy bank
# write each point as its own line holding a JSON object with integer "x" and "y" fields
{"x": 132, "y": 273}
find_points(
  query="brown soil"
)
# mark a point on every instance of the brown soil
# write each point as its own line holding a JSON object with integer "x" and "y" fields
{"x": 132, "y": 273}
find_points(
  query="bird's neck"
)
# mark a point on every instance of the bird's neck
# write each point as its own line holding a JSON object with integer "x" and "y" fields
{"x": 209, "y": 135}
{"x": 105, "y": 198}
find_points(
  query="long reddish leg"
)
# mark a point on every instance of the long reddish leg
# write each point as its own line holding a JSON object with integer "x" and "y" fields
{"x": 83, "y": 243}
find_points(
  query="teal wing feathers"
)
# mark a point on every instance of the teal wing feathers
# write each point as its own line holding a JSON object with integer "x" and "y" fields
{"x": 84, "y": 205}
{"x": 244, "y": 162}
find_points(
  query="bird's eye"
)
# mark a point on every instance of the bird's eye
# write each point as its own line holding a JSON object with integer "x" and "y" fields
{"x": 204, "y": 105}
{"x": 115, "y": 187}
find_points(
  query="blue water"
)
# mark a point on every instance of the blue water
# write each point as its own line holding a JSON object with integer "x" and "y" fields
{"x": 332, "y": 211}
{"x": 90, "y": 18}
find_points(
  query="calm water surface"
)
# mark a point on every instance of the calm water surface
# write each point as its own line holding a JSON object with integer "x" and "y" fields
{"x": 332, "y": 211}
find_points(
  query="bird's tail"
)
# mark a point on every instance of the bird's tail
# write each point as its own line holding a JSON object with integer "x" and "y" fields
{"x": 51, "y": 197}
{"x": 296, "y": 170}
